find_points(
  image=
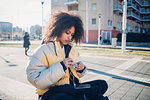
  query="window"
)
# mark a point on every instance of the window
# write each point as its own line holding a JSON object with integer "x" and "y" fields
{"x": 139, "y": 30}
{"x": 94, "y": 22}
{"x": 109, "y": 23}
{"x": 119, "y": 25}
{"x": 93, "y": 7}
{"x": 133, "y": 28}
{"x": 136, "y": 28}
{"x": 128, "y": 28}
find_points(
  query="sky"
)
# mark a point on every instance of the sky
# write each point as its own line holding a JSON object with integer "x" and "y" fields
{"x": 24, "y": 13}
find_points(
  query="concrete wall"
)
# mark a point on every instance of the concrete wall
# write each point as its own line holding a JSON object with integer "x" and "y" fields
{"x": 135, "y": 44}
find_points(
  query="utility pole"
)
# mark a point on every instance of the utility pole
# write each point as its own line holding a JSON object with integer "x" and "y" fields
{"x": 99, "y": 29}
{"x": 124, "y": 20}
{"x": 87, "y": 21}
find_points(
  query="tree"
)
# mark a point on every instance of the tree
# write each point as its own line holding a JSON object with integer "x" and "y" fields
{"x": 36, "y": 31}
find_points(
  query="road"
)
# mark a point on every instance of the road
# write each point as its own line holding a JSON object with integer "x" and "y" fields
{"x": 118, "y": 71}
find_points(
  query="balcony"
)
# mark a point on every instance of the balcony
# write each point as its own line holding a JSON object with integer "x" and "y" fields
{"x": 130, "y": 4}
{"x": 118, "y": 7}
{"x": 145, "y": 11}
{"x": 144, "y": 4}
{"x": 146, "y": 18}
{"x": 133, "y": 15}
{"x": 71, "y": 2}
{"x": 140, "y": 10}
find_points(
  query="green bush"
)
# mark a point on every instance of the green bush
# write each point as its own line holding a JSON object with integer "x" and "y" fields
{"x": 134, "y": 37}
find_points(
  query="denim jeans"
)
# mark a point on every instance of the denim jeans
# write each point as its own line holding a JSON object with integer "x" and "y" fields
{"x": 26, "y": 50}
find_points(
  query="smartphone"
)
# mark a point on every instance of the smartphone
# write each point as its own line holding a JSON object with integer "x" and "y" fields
{"x": 83, "y": 86}
{"x": 74, "y": 65}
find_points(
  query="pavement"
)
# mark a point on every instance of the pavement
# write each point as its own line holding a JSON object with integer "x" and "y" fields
{"x": 128, "y": 77}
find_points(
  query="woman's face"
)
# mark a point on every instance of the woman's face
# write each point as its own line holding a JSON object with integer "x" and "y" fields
{"x": 67, "y": 36}
{"x": 26, "y": 34}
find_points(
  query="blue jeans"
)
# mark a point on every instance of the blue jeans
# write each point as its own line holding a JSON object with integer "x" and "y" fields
{"x": 68, "y": 92}
{"x": 26, "y": 50}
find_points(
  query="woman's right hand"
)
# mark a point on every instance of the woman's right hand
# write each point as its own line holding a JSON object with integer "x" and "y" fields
{"x": 68, "y": 62}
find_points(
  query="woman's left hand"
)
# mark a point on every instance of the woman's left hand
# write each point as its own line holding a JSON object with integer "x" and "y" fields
{"x": 79, "y": 66}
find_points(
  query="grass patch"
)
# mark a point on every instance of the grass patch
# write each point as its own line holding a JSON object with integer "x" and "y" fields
{"x": 17, "y": 45}
{"x": 102, "y": 51}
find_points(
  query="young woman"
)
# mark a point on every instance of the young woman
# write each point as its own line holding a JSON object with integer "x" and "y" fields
{"x": 56, "y": 62}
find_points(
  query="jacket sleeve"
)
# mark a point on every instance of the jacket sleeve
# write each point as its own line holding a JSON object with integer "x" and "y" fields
{"x": 39, "y": 74}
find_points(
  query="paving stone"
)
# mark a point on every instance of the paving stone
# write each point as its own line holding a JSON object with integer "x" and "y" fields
{"x": 145, "y": 92}
{"x": 125, "y": 73}
{"x": 122, "y": 89}
{"x": 116, "y": 85}
{"x": 109, "y": 92}
{"x": 135, "y": 89}
{"x": 112, "y": 81}
{"x": 114, "y": 98}
{"x": 147, "y": 87}
{"x": 143, "y": 98}
{"x": 129, "y": 84}
{"x": 117, "y": 94}
{"x": 132, "y": 94}
{"x": 139, "y": 86}
{"x": 133, "y": 67}
{"x": 146, "y": 58}
{"x": 128, "y": 97}
{"x": 147, "y": 76}
{"x": 144, "y": 95}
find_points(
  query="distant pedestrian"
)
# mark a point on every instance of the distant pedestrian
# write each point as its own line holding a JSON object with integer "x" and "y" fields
{"x": 26, "y": 42}
{"x": 101, "y": 40}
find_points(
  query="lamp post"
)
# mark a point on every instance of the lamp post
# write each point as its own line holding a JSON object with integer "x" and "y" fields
{"x": 42, "y": 2}
{"x": 124, "y": 20}
{"x": 99, "y": 17}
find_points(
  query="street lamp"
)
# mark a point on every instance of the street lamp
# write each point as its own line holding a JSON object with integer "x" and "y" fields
{"x": 42, "y": 2}
{"x": 124, "y": 20}
{"x": 99, "y": 17}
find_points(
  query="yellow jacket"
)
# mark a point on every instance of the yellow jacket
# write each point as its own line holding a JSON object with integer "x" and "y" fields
{"x": 44, "y": 68}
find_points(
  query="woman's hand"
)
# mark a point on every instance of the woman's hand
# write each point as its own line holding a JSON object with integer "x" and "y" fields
{"x": 68, "y": 62}
{"x": 79, "y": 66}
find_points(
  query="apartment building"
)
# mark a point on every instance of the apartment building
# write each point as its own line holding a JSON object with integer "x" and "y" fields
{"x": 110, "y": 12}
{"x": 138, "y": 14}
{"x": 17, "y": 33}
{"x": 5, "y": 30}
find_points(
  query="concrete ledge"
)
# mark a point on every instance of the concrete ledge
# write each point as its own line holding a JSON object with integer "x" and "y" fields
{"x": 142, "y": 44}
